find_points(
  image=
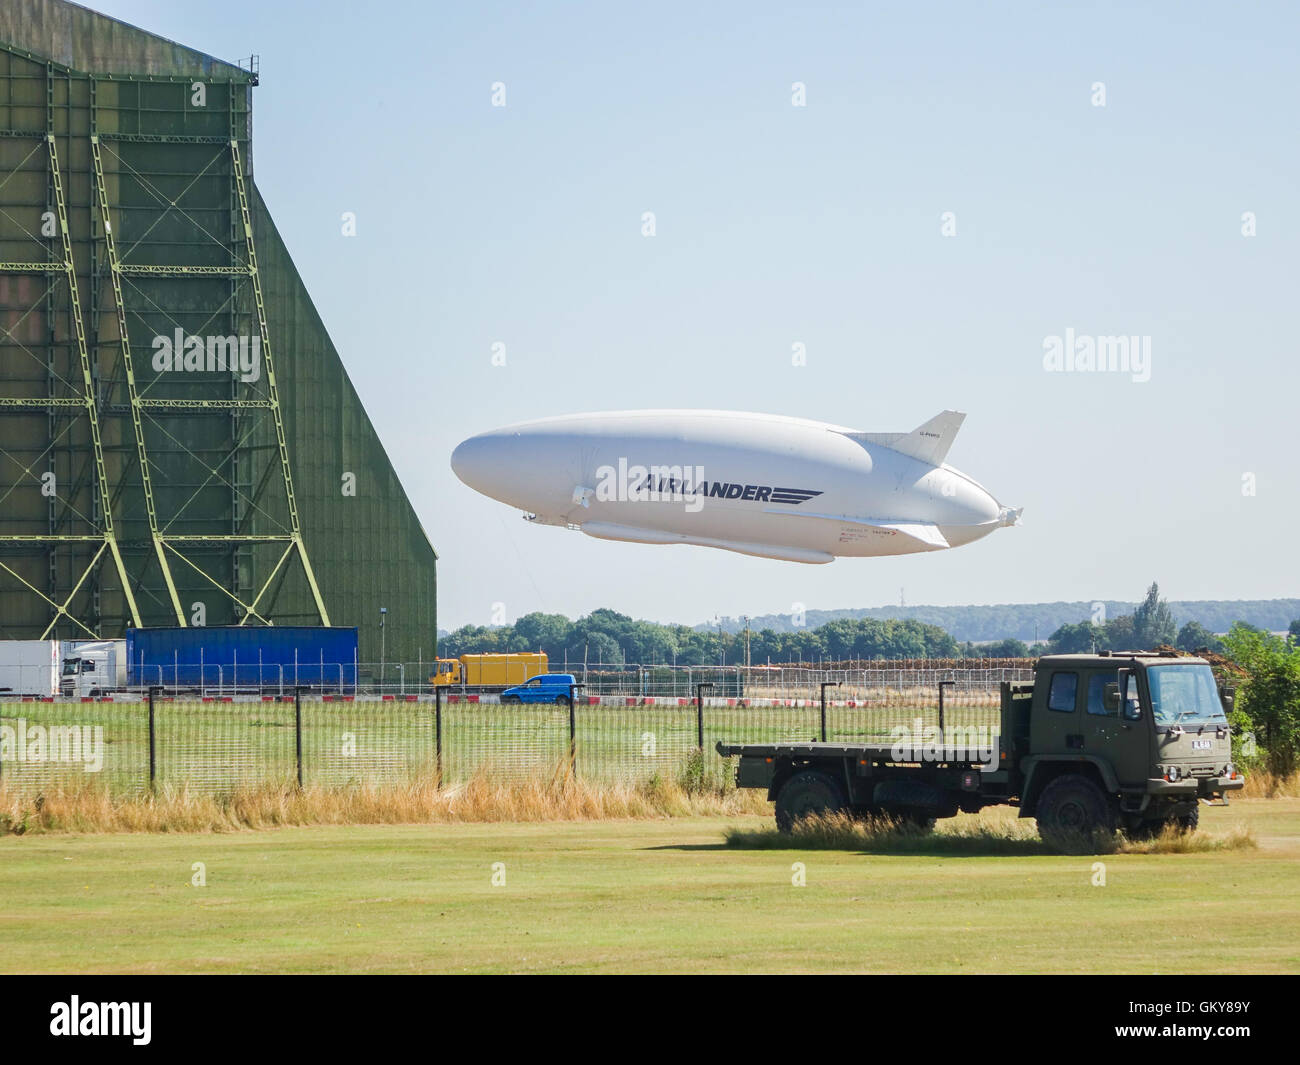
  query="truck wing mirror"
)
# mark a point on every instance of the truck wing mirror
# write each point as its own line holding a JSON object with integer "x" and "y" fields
{"x": 1130, "y": 704}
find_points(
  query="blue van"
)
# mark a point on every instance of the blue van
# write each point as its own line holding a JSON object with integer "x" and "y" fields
{"x": 544, "y": 688}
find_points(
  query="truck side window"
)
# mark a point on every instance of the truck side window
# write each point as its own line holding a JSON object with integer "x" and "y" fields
{"x": 1064, "y": 692}
{"x": 1097, "y": 694}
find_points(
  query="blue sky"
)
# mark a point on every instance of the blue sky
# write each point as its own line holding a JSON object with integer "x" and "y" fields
{"x": 818, "y": 225}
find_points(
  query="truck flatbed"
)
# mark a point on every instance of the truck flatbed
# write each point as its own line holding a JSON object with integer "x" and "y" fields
{"x": 813, "y": 749}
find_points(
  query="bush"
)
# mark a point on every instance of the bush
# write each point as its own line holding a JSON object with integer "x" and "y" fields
{"x": 1268, "y": 703}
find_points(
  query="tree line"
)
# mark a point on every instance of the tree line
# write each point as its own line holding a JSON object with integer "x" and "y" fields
{"x": 606, "y": 637}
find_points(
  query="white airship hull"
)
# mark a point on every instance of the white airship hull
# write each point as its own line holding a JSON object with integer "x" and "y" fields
{"x": 765, "y": 485}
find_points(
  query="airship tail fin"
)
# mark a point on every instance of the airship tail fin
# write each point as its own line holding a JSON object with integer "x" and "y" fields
{"x": 929, "y": 442}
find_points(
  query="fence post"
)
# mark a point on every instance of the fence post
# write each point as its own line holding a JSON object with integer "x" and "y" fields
{"x": 942, "y": 684}
{"x": 297, "y": 730}
{"x": 153, "y": 742}
{"x": 437, "y": 734}
{"x": 573, "y": 731}
{"x": 699, "y": 714}
{"x": 825, "y": 685}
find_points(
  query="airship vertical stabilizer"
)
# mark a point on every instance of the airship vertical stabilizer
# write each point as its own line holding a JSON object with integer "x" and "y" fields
{"x": 928, "y": 443}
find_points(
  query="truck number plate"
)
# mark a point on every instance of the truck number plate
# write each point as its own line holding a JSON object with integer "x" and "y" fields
{"x": 1200, "y": 745}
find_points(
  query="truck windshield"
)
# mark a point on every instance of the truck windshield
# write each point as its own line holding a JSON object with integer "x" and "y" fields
{"x": 1182, "y": 695}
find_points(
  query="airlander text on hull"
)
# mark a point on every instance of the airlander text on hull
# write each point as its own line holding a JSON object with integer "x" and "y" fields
{"x": 794, "y": 489}
{"x": 654, "y": 483}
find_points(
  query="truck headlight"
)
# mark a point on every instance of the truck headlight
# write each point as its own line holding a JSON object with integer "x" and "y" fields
{"x": 1171, "y": 773}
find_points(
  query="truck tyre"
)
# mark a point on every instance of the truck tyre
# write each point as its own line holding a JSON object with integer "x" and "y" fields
{"x": 1074, "y": 815}
{"x": 561, "y": 700}
{"x": 1189, "y": 822}
{"x": 808, "y": 793}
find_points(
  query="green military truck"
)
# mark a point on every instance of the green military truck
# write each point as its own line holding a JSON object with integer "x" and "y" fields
{"x": 1096, "y": 743}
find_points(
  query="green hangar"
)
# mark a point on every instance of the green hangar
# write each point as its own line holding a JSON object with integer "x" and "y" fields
{"x": 179, "y": 441}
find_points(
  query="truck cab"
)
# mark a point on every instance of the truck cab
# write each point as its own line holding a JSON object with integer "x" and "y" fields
{"x": 1149, "y": 731}
{"x": 546, "y": 688}
{"x": 91, "y": 668}
{"x": 446, "y": 671}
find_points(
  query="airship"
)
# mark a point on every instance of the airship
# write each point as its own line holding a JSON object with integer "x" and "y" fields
{"x": 766, "y": 485}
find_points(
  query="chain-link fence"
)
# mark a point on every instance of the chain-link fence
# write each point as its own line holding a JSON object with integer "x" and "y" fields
{"x": 213, "y": 745}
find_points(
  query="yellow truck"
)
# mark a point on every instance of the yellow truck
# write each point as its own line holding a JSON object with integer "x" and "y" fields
{"x": 487, "y": 671}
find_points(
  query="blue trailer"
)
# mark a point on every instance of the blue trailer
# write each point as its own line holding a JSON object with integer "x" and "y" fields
{"x": 243, "y": 658}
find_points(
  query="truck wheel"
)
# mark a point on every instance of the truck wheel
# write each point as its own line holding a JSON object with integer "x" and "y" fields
{"x": 1189, "y": 822}
{"x": 810, "y": 793}
{"x": 561, "y": 700}
{"x": 1072, "y": 815}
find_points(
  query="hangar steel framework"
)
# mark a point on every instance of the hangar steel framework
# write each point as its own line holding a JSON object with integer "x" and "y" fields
{"x": 161, "y": 261}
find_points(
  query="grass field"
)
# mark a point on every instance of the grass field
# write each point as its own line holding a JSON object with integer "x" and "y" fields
{"x": 662, "y": 895}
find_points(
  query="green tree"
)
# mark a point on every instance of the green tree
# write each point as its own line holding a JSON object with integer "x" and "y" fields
{"x": 1118, "y": 635}
{"x": 542, "y": 632}
{"x": 472, "y": 640}
{"x": 1153, "y": 621}
{"x": 1270, "y": 697}
{"x": 1078, "y": 638}
{"x": 649, "y": 644}
{"x": 603, "y": 649}
{"x": 1193, "y": 636}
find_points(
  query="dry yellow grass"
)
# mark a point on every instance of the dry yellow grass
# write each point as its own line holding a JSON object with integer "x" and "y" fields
{"x": 482, "y": 799}
{"x": 1262, "y": 784}
{"x": 558, "y": 798}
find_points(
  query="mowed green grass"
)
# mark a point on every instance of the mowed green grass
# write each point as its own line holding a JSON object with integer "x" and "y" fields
{"x": 655, "y": 896}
